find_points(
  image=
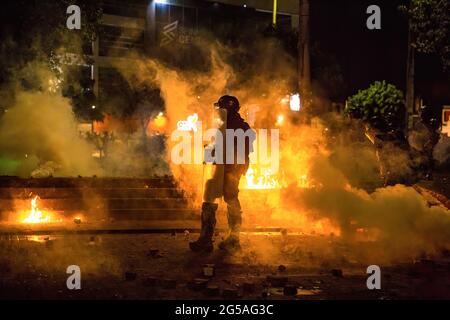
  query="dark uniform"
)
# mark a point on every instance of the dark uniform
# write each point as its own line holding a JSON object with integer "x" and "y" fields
{"x": 232, "y": 175}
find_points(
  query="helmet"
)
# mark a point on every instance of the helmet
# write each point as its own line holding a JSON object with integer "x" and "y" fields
{"x": 229, "y": 103}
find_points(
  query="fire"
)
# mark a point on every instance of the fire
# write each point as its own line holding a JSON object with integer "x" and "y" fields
{"x": 260, "y": 178}
{"x": 160, "y": 121}
{"x": 36, "y": 215}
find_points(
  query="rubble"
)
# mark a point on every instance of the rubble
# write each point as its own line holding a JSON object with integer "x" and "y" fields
{"x": 281, "y": 268}
{"x": 130, "y": 276}
{"x": 290, "y": 290}
{"x": 248, "y": 287}
{"x": 150, "y": 282}
{"x": 337, "y": 273}
{"x": 169, "y": 283}
{"x": 212, "y": 291}
{"x": 197, "y": 284}
{"x": 209, "y": 270}
{"x": 277, "y": 281}
{"x": 230, "y": 293}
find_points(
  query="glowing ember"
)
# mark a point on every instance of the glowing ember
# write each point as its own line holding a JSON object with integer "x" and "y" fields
{"x": 160, "y": 121}
{"x": 36, "y": 216}
{"x": 280, "y": 120}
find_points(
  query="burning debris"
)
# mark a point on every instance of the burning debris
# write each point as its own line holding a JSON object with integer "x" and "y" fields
{"x": 37, "y": 216}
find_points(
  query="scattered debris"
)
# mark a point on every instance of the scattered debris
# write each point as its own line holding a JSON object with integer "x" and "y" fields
{"x": 337, "y": 273}
{"x": 277, "y": 281}
{"x": 248, "y": 287}
{"x": 152, "y": 252}
{"x": 281, "y": 268}
{"x": 197, "y": 284}
{"x": 290, "y": 290}
{"x": 212, "y": 290}
{"x": 130, "y": 276}
{"x": 264, "y": 294}
{"x": 230, "y": 293}
{"x": 169, "y": 283}
{"x": 150, "y": 282}
{"x": 209, "y": 270}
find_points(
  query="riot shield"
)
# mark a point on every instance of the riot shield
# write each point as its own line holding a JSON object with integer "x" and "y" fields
{"x": 214, "y": 158}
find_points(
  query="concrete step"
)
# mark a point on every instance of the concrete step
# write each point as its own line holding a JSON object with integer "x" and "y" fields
{"x": 157, "y": 182}
{"x": 64, "y": 193}
{"x": 109, "y": 204}
{"x": 154, "y": 214}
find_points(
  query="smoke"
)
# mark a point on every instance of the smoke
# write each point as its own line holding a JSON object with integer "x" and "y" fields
{"x": 40, "y": 128}
{"x": 330, "y": 170}
{"x": 441, "y": 152}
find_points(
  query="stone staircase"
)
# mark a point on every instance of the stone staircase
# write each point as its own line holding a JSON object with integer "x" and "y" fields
{"x": 116, "y": 198}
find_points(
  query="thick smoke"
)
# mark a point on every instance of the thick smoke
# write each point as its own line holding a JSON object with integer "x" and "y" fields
{"x": 324, "y": 165}
{"x": 40, "y": 129}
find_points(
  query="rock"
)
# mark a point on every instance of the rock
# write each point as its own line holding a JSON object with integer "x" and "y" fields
{"x": 169, "y": 283}
{"x": 264, "y": 294}
{"x": 445, "y": 253}
{"x": 197, "y": 284}
{"x": 248, "y": 287}
{"x": 284, "y": 232}
{"x": 5, "y": 267}
{"x": 290, "y": 290}
{"x": 212, "y": 291}
{"x": 277, "y": 281}
{"x": 281, "y": 268}
{"x": 337, "y": 273}
{"x": 209, "y": 270}
{"x": 130, "y": 276}
{"x": 153, "y": 253}
{"x": 77, "y": 220}
{"x": 230, "y": 293}
{"x": 150, "y": 282}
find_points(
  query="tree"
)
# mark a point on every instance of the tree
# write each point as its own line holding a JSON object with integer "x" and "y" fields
{"x": 304, "y": 68}
{"x": 430, "y": 26}
{"x": 37, "y": 41}
{"x": 381, "y": 106}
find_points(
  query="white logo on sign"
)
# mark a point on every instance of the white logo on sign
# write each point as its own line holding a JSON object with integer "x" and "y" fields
{"x": 169, "y": 33}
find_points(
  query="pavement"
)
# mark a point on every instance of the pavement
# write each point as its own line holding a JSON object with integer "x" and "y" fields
{"x": 159, "y": 266}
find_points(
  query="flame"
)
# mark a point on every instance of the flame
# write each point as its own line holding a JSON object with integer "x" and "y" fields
{"x": 260, "y": 178}
{"x": 36, "y": 215}
{"x": 280, "y": 120}
{"x": 160, "y": 121}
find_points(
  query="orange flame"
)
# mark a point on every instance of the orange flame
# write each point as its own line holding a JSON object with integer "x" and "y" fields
{"x": 36, "y": 215}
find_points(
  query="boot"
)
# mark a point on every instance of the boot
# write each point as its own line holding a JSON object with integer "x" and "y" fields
{"x": 231, "y": 243}
{"x": 204, "y": 242}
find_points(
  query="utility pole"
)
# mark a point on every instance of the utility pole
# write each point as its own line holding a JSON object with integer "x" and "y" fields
{"x": 410, "y": 65}
{"x": 304, "y": 67}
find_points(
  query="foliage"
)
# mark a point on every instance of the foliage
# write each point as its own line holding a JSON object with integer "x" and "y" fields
{"x": 32, "y": 51}
{"x": 430, "y": 26}
{"x": 381, "y": 105}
